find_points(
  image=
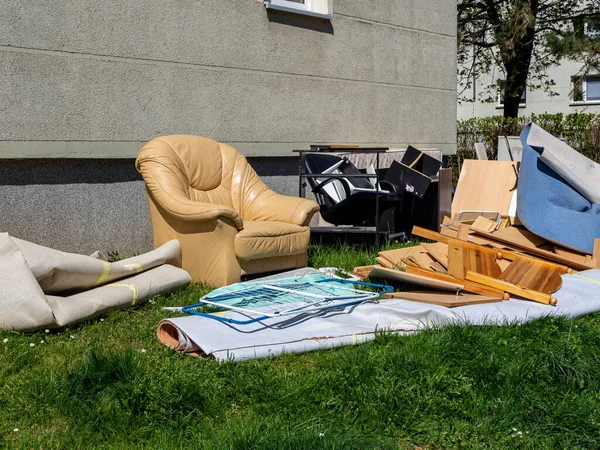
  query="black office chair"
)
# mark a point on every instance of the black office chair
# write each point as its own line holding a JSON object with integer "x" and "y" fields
{"x": 348, "y": 200}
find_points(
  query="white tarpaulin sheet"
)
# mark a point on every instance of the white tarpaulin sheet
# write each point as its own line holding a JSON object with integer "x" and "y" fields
{"x": 45, "y": 288}
{"x": 579, "y": 295}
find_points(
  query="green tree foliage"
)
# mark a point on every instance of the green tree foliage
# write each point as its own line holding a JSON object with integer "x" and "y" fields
{"x": 523, "y": 38}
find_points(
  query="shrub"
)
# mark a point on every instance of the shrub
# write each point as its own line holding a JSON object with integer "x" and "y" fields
{"x": 580, "y": 130}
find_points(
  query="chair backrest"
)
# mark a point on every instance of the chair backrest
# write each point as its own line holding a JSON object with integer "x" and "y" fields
{"x": 188, "y": 166}
{"x": 330, "y": 164}
{"x": 201, "y": 170}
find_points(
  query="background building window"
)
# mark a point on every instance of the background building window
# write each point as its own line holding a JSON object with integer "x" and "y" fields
{"x": 317, "y": 8}
{"x": 523, "y": 101}
{"x": 586, "y": 89}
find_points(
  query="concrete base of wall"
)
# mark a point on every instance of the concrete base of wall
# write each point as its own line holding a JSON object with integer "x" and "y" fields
{"x": 84, "y": 205}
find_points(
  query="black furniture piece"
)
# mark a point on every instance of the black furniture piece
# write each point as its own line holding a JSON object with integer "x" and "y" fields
{"x": 350, "y": 199}
{"x": 413, "y": 192}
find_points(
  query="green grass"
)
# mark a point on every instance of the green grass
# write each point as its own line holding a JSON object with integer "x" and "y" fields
{"x": 109, "y": 383}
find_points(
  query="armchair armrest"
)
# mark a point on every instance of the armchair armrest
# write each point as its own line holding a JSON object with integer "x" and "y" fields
{"x": 270, "y": 205}
{"x": 192, "y": 211}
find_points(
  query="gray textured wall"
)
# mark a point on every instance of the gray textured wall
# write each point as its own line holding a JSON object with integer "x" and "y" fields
{"x": 97, "y": 79}
{"x": 84, "y": 205}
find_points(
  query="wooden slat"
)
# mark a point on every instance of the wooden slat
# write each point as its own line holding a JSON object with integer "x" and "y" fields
{"x": 442, "y": 298}
{"x": 463, "y": 232}
{"x": 596, "y": 254}
{"x": 362, "y": 272}
{"x": 468, "y": 285}
{"x": 397, "y": 257}
{"x": 405, "y": 277}
{"x": 520, "y": 237}
{"x": 384, "y": 262}
{"x": 485, "y": 224}
{"x": 572, "y": 255}
{"x": 422, "y": 259}
{"x": 545, "y": 254}
{"x": 529, "y": 294}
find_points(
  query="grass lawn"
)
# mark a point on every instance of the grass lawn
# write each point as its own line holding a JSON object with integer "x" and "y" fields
{"x": 109, "y": 383}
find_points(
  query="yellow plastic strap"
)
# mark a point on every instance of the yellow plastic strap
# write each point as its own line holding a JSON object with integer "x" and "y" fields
{"x": 131, "y": 287}
{"x": 354, "y": 339}
{"x": 585, "y": 278}
{"x": 138, "y": 267}
{"x": 104, "y": 275}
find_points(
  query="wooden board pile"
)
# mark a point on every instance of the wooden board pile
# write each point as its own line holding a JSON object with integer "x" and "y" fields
{"x": 481, "y": 256}
{"x": 488, "y": 264}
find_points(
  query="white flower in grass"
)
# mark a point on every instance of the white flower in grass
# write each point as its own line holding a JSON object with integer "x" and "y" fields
{"x": 71, "y": 336}
{"x": 143, "y": 350}
{"x": 42, "y": 341}
{"x": 32, "y": 345}
{"x": 5, "y": 341}
{"x": 46, "y": 331}
{"x": 15, "y": 430}
{"x": 321, "y": 434}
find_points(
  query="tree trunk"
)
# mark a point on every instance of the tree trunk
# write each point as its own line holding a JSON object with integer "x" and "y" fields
{"x": 517, "y": 59}
{"x": 516, "y": 78}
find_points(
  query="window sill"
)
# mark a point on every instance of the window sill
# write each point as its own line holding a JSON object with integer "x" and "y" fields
{"x": 521, "y": 106}
{"x": 292, "y": 10}
{"x": 590, "y": 103}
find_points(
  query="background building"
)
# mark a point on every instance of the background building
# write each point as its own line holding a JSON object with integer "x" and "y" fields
{"x": 85, "y": 84}
{"x": 574, "y": 94}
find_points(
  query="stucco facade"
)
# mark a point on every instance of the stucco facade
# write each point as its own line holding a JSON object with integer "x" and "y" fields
{"x": 85, "y": 84}
{"x": 537, "y": 101}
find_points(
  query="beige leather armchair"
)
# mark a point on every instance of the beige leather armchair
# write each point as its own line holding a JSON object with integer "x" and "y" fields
{"x": 229, "y": 223}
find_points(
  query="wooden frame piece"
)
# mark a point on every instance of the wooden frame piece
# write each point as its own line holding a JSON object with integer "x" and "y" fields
{"x": 468, "y": 286}
{"x": 529, "y": 294}
{"x": 446, "y": 299}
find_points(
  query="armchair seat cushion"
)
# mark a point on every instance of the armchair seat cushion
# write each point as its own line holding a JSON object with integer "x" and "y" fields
{"x": 265, "y": 239}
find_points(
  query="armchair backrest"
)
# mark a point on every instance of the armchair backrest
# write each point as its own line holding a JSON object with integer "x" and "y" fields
{"x": 199, "y": 169}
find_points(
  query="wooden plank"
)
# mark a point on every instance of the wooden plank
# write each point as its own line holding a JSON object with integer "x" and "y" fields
{"x": 447, "y": 231}
{"x": 362, "y": 272}
{"x": 463, "y": 232}
{"x": 385, "y": 263}
{"x": 521, "y": 237}
{"x": 502, "y": 253}
{"x": 468, "y": 285}
{"x": 533, "y": 274}
{"x": 443, "y": 298}
{"x": 438, "y": 251}
{"x": 596, "y": 254}
{"x": 572, "y": 255}
{"x": 456, "y": 263}
{"x": 431, "y": 235}
{"x": 484, "y": 224}
{"x": 405, "y": 277}
{"x": 397, "y": 256}
{"x": 485, "y": 186}
{"x": 529, "y": 294}
{"x": 545, "y": 254}
{"x": 422, "y": 259}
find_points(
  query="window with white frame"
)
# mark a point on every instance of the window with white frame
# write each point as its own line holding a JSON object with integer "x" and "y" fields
{"x": 586, "y": 89}
{"x": 522, "y": 102}
{"x": 316, "y": 8}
